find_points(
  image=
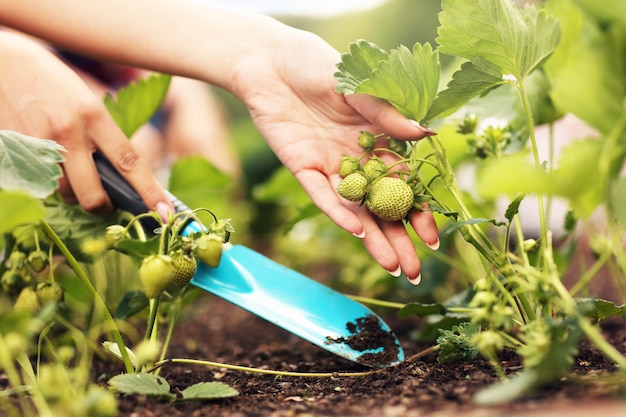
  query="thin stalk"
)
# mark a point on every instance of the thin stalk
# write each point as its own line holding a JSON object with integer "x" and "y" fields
{"x": 92, "y": 291}
{"x": 590, "y": 273}
{"x": 379, "y": 303}
{"x": 151, "y": 330}
{"x": 266, "y": 371}
{"x": 535, "y": 151}
{"x": 13, "y": 375}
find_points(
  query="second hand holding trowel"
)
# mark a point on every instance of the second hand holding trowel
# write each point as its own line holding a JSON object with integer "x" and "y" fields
{"x": 276, "y": 293}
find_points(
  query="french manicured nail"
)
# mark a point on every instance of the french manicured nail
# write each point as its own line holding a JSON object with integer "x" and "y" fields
{"x": 164, "y": 210}
{"x": 360, "y": 235}
{"x": 434, "y": 246}
{"x": 396, "y": 272}
{"x": 416, "y": 280}
{"x": 427, "y": 131}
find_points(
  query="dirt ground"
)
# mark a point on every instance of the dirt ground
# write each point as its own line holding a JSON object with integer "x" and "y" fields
{"x": 224, "y": 333}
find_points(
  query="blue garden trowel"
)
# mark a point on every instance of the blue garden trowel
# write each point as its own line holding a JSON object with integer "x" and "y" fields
{"x": 278, "y": 294}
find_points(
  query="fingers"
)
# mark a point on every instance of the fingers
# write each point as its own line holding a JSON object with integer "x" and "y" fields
{"x": 384, "y": 116}
{"x": 82, "y": 181}
{"x": 387, "y": 242}
{"x": 424, "y": 225}
{"x": 134, "y": 169}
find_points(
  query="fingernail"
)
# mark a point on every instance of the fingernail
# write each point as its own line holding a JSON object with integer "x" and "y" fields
{"x": 416, "y": 280}
{"x": 360, "y": 235}
{"x": 396, "y": 272}
{"x": 427, "y": 131}
{"x": 434, "y": 246}
{"x": 164, "y": 211}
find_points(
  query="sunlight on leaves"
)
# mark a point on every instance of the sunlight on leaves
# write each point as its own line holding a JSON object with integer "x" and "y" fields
{"x": 475, "y": 78}
{"x": 17, "y": 208}
{"x": 583, "y": 72}
{"x": 29, "y": 164}
{"x": 408, "y": 80}
{"x": 357, "y": 65}
{"x": 133, "y": 105}
{"x": 514, "y": 40}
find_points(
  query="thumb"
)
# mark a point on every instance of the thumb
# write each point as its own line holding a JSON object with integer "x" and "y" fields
{"x": 386, "y": 118}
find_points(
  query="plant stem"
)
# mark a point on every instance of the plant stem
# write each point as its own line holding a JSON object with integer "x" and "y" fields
{"x": 535, "y": 151}
{"x": 380, "y": 303}
{"x": 92, "y": 291}
{"x": 267, "y": 371}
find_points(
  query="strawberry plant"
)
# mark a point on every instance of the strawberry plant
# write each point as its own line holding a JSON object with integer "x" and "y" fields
{"x": 54, "y": 276}
{"x": 514, "y": 69}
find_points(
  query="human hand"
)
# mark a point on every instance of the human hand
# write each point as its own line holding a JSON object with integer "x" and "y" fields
{"x": 42, "y": 97}
{"x": 309, "y": 126}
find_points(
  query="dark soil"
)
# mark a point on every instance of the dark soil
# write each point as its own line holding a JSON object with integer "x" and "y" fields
{"x": 420, "y": 386}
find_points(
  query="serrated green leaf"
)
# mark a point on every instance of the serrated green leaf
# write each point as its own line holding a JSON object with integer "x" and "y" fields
{"x": 132, "y": 106}
{"x": 141, "y": 384}
{"x": 475, "y": 78}
{"x": 29, "y": 164}
{"x": 407, "y": 79}
{"x": 17, "y": 208}
{"x": 513, "y": 208}
{"x": 600, "y": 310}
{"x": 357, "y": 65}
{"x": 208, "y": 391}
{"x": 496, "y": 30}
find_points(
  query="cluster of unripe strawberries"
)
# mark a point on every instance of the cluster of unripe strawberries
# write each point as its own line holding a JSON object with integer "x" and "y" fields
{"x": 370, "y": 183}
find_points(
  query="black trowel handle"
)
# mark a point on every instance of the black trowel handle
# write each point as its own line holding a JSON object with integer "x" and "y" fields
{"x": 123, "y": 195}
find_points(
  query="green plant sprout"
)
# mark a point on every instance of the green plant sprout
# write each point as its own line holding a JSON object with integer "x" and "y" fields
{"x": 520, "y": 303}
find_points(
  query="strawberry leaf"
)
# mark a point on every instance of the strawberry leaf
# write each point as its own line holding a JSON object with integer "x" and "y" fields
{"x": 133, "y": 105}
{"x": 142, "y": 384}
{"x": 514, "y": 40}
{"x": 29, "y": 164}
{"x": 407, "y": 79}
{"x": 357, "y": 65}
{"x": 208, "y": 391}
{"x": 475, "y": 78}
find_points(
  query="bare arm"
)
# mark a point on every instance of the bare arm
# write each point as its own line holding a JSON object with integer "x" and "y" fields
{"x": 283, "y": 75}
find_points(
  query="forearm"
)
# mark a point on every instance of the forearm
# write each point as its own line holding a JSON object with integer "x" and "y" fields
{"x": 186, "y": 38}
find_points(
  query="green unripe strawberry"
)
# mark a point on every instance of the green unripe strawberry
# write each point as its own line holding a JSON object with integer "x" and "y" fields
{"x": 390, "y": 198}
{"x": 374, "y": 168}
{"x": 17, "y": 260}
{"x": 27, "y": 301}
{"x": 353, "y": 187}
{"x": 184, "y": 267}
{"x": 155, "y": 274}
{"x": 208, "y": 249}
{"x": 348, "y": 165}
{"x": 12, "y": 282}
{"x": 37, "y": 260}
{"x": 114, "y": 234}
{"x": 367, "y": 140}
{"x": 49, "y": 292}
{"x": 398, "y": 146}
